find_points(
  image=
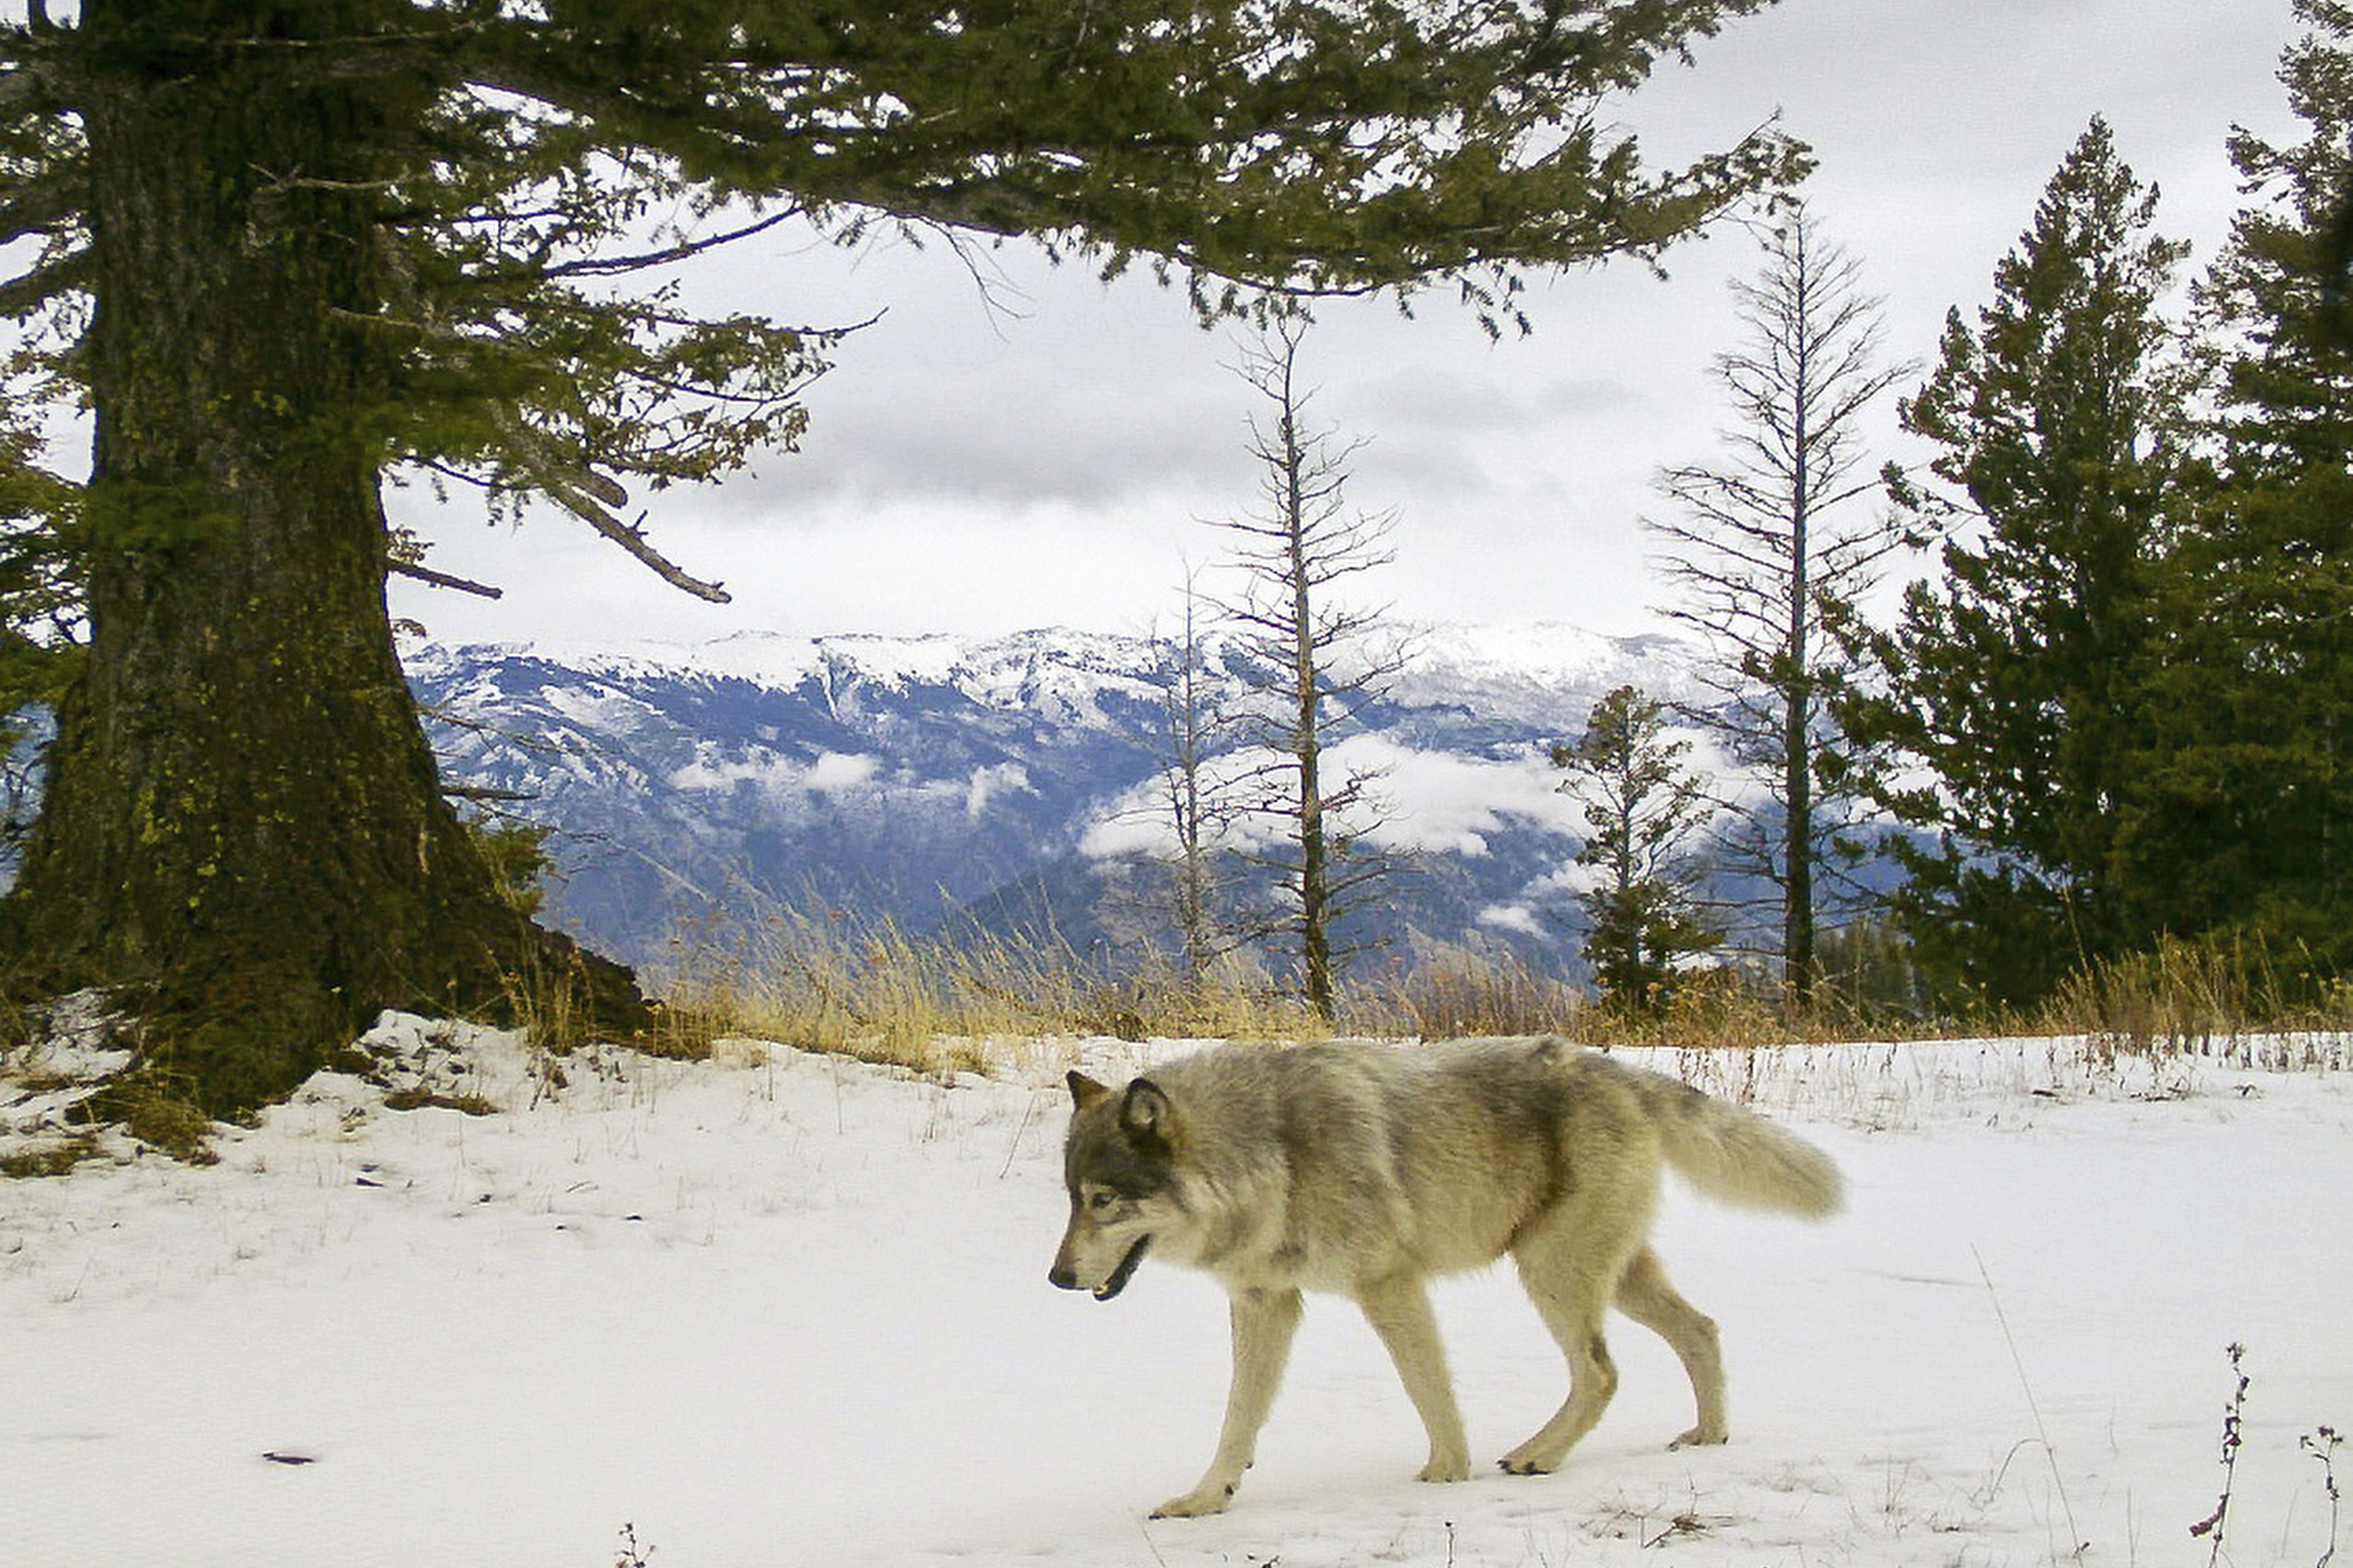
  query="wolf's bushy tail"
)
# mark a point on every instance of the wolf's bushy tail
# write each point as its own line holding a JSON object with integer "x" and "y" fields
{"x": 1738, "y": 1156}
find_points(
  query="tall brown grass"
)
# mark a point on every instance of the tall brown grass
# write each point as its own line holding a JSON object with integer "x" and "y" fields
{"x": 879, "y": 991}
{"x": 1448, "y": 992}
{"x": 2192, "y": 996}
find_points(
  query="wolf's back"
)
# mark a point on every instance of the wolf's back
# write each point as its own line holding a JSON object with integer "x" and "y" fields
{"x": 1738, "y": 1156}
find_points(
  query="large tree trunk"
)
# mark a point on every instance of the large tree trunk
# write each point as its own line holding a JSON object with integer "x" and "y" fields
{"x": 242, "y": 822}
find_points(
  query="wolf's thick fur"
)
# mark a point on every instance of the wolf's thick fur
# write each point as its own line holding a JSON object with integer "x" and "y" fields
{"x": 1366, "y": 1169}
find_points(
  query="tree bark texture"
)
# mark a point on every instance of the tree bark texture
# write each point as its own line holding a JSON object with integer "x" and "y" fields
{"x": 262, "y": 893}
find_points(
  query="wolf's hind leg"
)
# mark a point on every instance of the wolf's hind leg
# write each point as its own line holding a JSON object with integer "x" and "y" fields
{"x": 1644, "y": 1295}
{"x": 1398, "y": 1310}
{"x": 1263, "y": 1323}
{"x": 1572, "y": 1288}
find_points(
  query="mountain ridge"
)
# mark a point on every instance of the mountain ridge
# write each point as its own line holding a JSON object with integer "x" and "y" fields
{"x": 923, "y": 779}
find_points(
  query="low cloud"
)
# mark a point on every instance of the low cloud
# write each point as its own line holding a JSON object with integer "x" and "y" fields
{"x": 1416, "y": 801}
{"x": 1446, "y": 802}
{"x": 833, "y": 773}
{"x": 989, "y": 783}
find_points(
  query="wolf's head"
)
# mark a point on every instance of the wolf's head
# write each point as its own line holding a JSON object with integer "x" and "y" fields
{"x": 1120, "y": 1165}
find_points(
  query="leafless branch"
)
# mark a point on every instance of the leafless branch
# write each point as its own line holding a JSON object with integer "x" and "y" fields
{"x": 631, "y": 536}
{"x": 485, "y": 792}
{"x": 684, "y": 250}
{"x": 443, "y": 579}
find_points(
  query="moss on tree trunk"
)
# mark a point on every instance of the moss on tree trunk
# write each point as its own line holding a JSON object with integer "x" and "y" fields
{"x": 258, "y": 895}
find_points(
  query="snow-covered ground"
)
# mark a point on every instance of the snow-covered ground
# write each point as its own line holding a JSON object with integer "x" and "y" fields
{"x": 778, "y": 1310}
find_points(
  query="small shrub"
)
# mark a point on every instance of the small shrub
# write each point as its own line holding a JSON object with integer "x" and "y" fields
{"x": 49, "y": 1159}
{"x": 2322, "y": 1444}
{"x": 516, "y": 852}
{"x": 423, "y": 1098}
{"x": 159, "y": 1116}
{"x": 2211, "y": 1528}
{"x": 632, "y": 1555}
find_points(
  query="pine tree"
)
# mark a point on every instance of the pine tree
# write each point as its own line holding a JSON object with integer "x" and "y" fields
{"x": 2018, "y": 679}
{"x": 1643, "y": 808}
{"x": 38, "y": 604}
{"x": 2250, "y": 805}
{"x": 285, "y": 247}
{"x": 1769, "y": 556}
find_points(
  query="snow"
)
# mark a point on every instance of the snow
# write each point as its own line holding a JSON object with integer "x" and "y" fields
{"x": 1520, "y": 668}
{"x": 778, "y": 1310}
{"x": 1517, "y": 668}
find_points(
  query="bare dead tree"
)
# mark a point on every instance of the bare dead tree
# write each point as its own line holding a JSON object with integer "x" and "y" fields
{"x": 1196, "y": 799}
{"x": 1319, "y": 656}
{"x": 1770, "y": 553}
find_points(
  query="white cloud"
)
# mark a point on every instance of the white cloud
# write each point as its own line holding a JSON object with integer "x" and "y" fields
{"x": 1123, "y": 831}
{"x": 838, "y": 773}
{"x": 710, "y": 771}
{"x": 1516, "y": 919}
{"x": 1444, "y": 802}
{"x": 1137, "y": 821}
{"x": 833, "y": 773}
{"x": 1433, "y": 802}
{"x": 1003, "y": 778}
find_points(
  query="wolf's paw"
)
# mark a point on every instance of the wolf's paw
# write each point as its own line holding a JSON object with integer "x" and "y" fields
{"x": 1204, "y": 1499}
{"x": 1519, "y": 1461}
{"x": 1700, "y": 1437}
{"x": 1455, "y": 1468}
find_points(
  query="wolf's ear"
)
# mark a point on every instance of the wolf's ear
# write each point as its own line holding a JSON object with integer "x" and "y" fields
{"x": 1085, "y": 1090}
{"x": 1146, "y": 1114}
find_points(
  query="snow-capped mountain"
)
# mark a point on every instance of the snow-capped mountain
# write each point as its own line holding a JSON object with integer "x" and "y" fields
{"x": 1006, "y": 780}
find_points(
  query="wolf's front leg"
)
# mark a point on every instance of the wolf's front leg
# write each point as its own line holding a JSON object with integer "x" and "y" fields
{"x": 1263, "y": 1324}
{"x": 1398, "y": 1310}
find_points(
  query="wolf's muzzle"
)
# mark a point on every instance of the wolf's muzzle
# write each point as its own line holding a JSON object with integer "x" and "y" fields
{"x": 1062, "y": 1277}
{"x": 1119, "y": 1276}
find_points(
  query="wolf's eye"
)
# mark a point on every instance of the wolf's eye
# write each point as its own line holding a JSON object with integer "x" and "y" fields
{"x": 1101, "y": 1202}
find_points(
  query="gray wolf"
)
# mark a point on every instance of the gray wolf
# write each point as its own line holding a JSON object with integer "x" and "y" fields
{"x": 1367, "y": 1169}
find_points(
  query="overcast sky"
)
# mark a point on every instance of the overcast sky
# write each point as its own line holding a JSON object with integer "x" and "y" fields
{"x": 972, "y": 469}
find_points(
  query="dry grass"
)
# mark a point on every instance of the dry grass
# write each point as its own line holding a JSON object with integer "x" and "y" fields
{"x": 2195, "y": 997}
{"x": 923, "y": 1001}
{"x": 938, "y": 1005}
{"x": 1453, "y": 993}
{"x": 884, "y": 994}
